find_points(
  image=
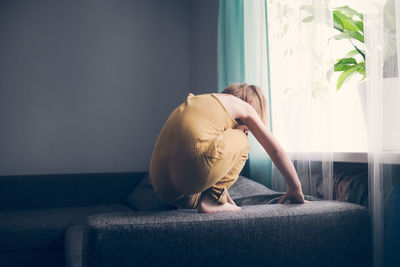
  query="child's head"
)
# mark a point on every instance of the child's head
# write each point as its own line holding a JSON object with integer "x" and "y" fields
{"x": 253, "y": 95}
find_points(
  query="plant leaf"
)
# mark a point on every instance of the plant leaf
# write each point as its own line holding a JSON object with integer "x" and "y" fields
{"x": 349, "y": 11}
{"x": 361, "y": 71}
{"x": 360, "y": 26}
{"x": 344, "y": 64}
{"x": 346, "y": 75}
{"x": 342, "y": 67}
{"x": 348, "y": 22}
{"x": 352, "y": 53}
{"x": 362, "y": 52}
{"x": 347, "y": 60}
{"x": 337, "y": 23}
{"x": 349, "y": 35}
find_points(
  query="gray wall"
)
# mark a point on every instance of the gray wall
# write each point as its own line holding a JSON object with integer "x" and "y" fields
{"x": 85, "y": 85}
{"x": 203, "y": 32}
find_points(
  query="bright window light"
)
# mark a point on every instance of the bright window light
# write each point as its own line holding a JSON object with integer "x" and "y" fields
{"x": 348, "y": 127}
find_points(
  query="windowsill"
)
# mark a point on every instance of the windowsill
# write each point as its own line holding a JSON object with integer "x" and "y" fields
{"x": 390, "y": 157}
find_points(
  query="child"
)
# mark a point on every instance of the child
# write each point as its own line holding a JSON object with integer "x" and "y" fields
{"x": 203, "y": 146}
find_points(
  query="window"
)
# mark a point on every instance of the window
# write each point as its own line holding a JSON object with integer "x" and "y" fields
{"x": 301, "y": 61}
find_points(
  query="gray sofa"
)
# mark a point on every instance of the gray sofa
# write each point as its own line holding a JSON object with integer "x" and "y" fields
{"x": 36, "y": 210}
{"x": 89, "y": 223}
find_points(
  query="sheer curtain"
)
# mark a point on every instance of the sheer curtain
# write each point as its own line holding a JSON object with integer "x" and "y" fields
{"x": 301, "y": 87}
{"x": 382, "y": 35}
{"x": 301, "y": 67}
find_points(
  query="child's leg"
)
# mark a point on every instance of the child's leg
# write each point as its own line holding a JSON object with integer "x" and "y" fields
{"x": 222, "y": 165}
{"x": 219, "y": 190}
{"x": 187, "y": 201}
{"x": 233, "y": 149}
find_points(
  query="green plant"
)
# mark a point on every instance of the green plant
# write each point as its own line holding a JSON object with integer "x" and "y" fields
{"x": 350, "y": 24}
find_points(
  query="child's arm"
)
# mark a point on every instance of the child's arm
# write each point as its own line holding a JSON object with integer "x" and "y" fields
{"x": 239, "y": 109}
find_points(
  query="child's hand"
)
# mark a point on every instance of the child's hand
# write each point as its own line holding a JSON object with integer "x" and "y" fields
{"x": 295, "y": 197}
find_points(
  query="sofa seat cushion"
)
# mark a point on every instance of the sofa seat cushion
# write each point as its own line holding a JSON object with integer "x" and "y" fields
{"x": 259, "y": 235}
{"x": 246, "y": 192}
{"x": 244, "y": 187}
{"x": 44, "y": 228}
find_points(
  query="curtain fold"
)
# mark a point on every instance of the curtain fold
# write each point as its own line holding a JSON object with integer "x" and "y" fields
{"x": 243, "y": 57}
{"x": 302, "y": 91}
{"x": 230, "y": 43}
{"x": 382, "y": 35}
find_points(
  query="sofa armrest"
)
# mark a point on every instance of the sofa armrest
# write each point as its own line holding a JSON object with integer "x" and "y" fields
{"x": 73, "y": 245}
{"x": 323, "y": 233}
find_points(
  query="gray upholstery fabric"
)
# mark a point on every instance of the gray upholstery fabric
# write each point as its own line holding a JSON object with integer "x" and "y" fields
{"x": 44, "y": 228}
{"x": 245, "y": 187}
{"x": 323, "y": 233}
{"x": 143, "y": 198}
{"x": 73, "y": 246}
{"x": 267, "y": 199}
{"x": 33, "y": 258}
{"x": 65, "y": 190}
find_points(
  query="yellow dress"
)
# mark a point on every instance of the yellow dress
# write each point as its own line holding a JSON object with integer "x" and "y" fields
{"x": 198, "y": 149}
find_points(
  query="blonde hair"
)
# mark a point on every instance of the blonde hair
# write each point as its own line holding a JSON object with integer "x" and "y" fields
{"x": 253, "y": 95}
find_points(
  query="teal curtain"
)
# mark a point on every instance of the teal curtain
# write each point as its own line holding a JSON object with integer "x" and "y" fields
{"x": 231, "y": 68}
{"x": 230, "y": 43}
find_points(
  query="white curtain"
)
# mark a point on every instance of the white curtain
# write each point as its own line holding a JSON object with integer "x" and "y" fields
{"x": 303, "y": 93}
{"x": 382, "y": 35}
{"x": 301, "y": 67}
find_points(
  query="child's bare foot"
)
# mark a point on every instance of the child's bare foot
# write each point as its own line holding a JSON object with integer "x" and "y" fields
{"x": 229, "y": 199}
{"x": 209, "y": 205}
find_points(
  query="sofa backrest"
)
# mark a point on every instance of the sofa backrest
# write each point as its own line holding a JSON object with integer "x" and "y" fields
{"x": 61, "y": 190}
